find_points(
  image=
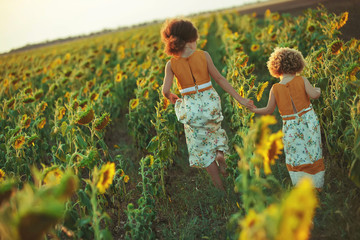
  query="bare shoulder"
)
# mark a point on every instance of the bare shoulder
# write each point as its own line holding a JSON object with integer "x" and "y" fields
{"x": 168, "y": 65}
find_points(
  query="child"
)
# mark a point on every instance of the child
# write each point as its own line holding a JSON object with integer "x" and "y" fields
{"x": 200, "y": 108}
{"x": 301, "y": 128}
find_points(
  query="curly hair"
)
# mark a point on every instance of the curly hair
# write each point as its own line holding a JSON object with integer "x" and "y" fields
{"x": 176, "y": 33}
{"x": 285, "y": 61}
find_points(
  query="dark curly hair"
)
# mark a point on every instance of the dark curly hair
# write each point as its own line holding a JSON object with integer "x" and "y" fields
{"x": 176, "y": 33}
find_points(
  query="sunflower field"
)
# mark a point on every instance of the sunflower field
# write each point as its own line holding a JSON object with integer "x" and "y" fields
{"x": 90, "y": 149}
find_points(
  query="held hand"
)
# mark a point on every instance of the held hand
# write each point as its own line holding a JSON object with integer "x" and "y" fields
{"x": 173, "y": 98}
{"x": 248, "y": 103}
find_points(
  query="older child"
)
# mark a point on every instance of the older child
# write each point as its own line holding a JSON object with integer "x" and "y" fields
{"x": 199, "y": 109}
{"x": 301, "y": 128}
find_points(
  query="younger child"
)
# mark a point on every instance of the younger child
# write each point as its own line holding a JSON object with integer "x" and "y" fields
{"x": 301, "y": 128}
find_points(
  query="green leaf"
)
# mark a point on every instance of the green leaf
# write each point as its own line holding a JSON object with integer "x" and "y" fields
{"x": 153, "y": 144}
{"x": 63, "y": 128}
{"x": 81, "y": 142}
{"x": 84, "y": 199}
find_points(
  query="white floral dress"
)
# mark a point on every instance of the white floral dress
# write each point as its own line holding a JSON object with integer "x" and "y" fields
{"x": 201, "y": 115}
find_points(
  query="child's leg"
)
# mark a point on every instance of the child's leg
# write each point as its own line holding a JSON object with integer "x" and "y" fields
{"x": 221, "y": 160}
{"x": 213, "y": 171}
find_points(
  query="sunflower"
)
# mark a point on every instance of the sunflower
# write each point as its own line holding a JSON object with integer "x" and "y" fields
{"x": 275, "y": 16}
{"x": 151, "y": 160}
{"x": 241, "y": 91}
{"x": 258, "y": 36}
{"x": 297, "y": 212}
{"x": 119, "y": 77}
{"x": 140, "y": 82}
{"x": 166, "y": 103}
{"x": 61, "y": 113}
{"x": 53, "y": 177}
{"x": 276, "y": 145}
{"x": 254, "y": 47}
{"x": 273, "y": 37}
{"x": 31, "y": 140}
{"x": 28, "y": 100}
{"x": 122, "y": 173}
{"x": 155, "y": 86}
{"x": 38, "y": 94}
{"x": 146, "y": 94}
{"x": 10, "y": 103}
{"x": 253, "y": 226}
{"x": 2, "y": 175}
{"x": 243, "y": 61}
{"x": 311, "y": 28}
{"x": 134, "y": 103}
{"x": 19, "y": 142}
{"x": 86, "y": 116}
{"x": 107, "y": 173}
{"x": 267, "y": 13}
{"x": 260, "y": 90}
{"x": 102, "y": 121}
{"x": 25, "y": 121}
{"x": 343, "y": 19}
{"x": 94, "y": 96}
{"x": 336, "y": 47}
{"x": 126, "y": 178}
{"x": 353, "y": 73}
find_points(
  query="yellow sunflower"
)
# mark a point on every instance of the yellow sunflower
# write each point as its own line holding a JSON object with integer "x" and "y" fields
{"x": 53, "y": 177}
{"x": 146, "y": 94}
{"x": 241, "y": 91}
{"x": 311, "y": 28}
{"x": 19, "y": 142}
{"x": 343, "y": 19}
{"x": 2, "y": 175}
{"x": 254, "y": 47}
{"x": 166, "y": 103}
{"x": 126, "y": 178}
{"x": 275, "y": 145}
{"x": 267, "y": 13}
{"x": 134, "y": 103}
{"x": 260, "y": 90}
{"x": 155, "y": 86}
{"x": 275, "y": 16}
{"x": 151, "y": 160}
{"x": 258, "y": 36}
{"x": 297, "y": 212}
{"x": 253, "y": 226}
{"x": 336, "y": 47}
{"x": 107, "y": 173}
{"x": 61, "y": 113}
{"x": 353, "y": 73}
{"x": 273, "y": 37}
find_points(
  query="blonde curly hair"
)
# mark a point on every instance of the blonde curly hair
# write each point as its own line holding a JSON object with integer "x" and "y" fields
{"x": 285, "y": 61}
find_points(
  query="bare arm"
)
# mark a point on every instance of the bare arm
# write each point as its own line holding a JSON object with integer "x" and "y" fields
{"x": 168, "y": 80}
{"x": 313, "y": 92}
{"x": 224, "y": 84}
{"x": 269, "y": 109}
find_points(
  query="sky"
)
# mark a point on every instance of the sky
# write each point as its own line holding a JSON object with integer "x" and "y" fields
{"x": 33, "y": 21}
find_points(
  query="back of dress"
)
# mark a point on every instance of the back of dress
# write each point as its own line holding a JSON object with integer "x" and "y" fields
{"x": 291, "y": 96}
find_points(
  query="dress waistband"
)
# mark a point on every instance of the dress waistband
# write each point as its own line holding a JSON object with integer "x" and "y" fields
{"x": 196, "y": 88}
{"x": 298, "y": 114}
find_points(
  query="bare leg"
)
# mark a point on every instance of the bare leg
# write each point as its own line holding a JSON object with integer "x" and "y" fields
{"x": 213, "y": 171}
{"x": 222, "y": 164}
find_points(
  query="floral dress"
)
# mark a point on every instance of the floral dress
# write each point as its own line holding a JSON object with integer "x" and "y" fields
{"x": 302, "y": 137}
{"x": 201, "y": 115}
